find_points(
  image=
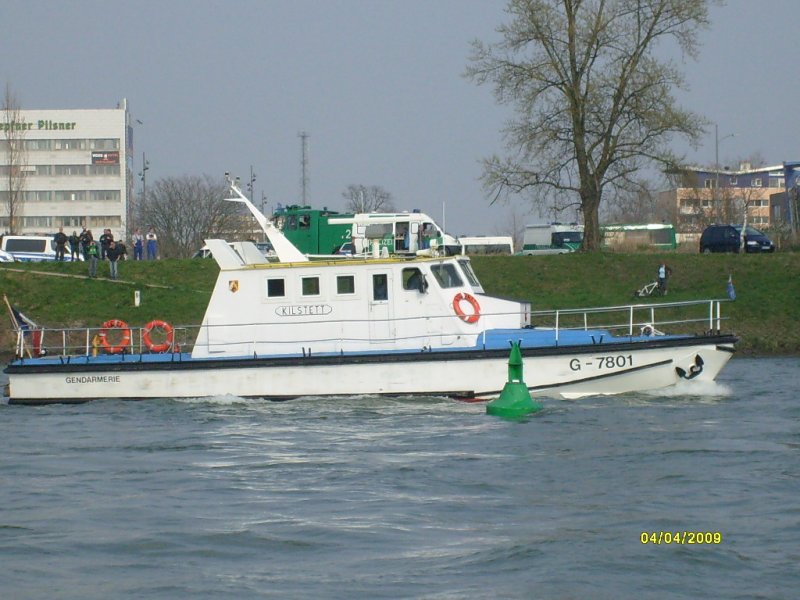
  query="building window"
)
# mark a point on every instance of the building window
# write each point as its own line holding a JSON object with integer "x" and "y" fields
{"x": 710, "y": 183}
{"x": 276, "y": 288}
{"x": 69, "y": 170}
{"x": 757, "y": 203}
{"x": 732, "y": 181}
{"x": 69, "y": 144}
{"x": 39, "y": 144}
{"x": 70, "y": 196}
{"x": 104, "y": 195}
{"x": 345, "y": 284}
{"x": 776, "y": 182}
{"x": 310, "y": 286}
{"x": 103, "y": 169}
{"x": 104, "y": 144}
{"x": 756, "y": 182}
{"x": 69, "y": 221}
{"x": 40, "y": 223}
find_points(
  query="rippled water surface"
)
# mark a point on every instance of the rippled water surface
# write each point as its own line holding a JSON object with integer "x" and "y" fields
{"x": 407, "y": 498}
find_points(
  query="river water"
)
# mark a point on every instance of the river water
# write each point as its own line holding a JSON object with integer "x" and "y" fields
{"x": 408, "y": 498}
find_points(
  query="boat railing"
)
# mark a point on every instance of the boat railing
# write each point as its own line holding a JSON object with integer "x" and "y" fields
{"x": 92, "y": 341}
{"x": 683, "y": 317}
{"x": 637, "y": 319}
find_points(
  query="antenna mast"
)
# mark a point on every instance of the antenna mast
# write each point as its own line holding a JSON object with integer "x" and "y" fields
{"x": 304, "y": 166}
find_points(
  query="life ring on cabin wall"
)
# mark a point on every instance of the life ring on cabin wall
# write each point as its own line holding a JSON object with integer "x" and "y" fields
{"x": 126, "y": 336}
{"x": 476, "y": 308}
{"x": 166, "y": 328}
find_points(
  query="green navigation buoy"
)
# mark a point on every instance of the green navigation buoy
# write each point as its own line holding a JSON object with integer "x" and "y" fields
{"x": 515, "y": 399}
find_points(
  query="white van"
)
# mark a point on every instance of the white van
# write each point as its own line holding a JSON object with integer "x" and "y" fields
{"x": 29, "y": 248}
{"x": 399, "y": 233}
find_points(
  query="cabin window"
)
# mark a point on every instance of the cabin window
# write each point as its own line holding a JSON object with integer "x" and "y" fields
{"x": 412, "y": 279}
{"x": 447, "y": 275}
{"x": 276, "y": 288}
{"x": 304, "y": 221}
{"x": 345, "y": 284}
{"x": 380, "y": 287}
{"x": 291, "y": 222}
{"x": 310, "y": 286}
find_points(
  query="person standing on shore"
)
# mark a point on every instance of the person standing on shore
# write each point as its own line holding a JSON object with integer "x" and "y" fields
{"x": 152, "y": 244}
{"x": 138, "y": 244}
{"x": 113, "y": 254}
{"x": 664, "y": 273}
{"x": 61, "y": 243}
{"x": 91, "y": 256}
{"x": 85, "y": 238}
{"x": 74, "y": 246}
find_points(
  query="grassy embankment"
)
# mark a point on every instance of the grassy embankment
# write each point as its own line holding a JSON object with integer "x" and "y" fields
{"x": 766, "y": 313}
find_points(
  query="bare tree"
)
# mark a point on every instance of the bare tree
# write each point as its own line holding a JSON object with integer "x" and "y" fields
{"x": 593, "y": 102}
{"x": 364, "y": 199}
{"x": 14, "y": 132}
{"x": 186, "y": 210}
{"x": 643, "y": 204}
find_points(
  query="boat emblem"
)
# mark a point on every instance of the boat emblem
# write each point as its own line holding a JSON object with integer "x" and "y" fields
{"x": 233, "y": 285}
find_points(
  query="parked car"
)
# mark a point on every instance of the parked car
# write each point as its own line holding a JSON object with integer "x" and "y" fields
{"x": 727, "y": 238}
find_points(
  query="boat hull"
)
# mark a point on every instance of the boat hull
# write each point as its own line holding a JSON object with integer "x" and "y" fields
{"x": 567, "y": 372}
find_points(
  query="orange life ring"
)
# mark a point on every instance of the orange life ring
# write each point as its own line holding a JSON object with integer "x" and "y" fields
{"x": 166, "y": 344}
{"x": 126, "y": 336}
{"x": 476, "y": 308}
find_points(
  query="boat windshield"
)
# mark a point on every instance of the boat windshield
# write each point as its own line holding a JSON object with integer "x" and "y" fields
{"x": 466, "y": 266}
{"x": 447, "y": 275}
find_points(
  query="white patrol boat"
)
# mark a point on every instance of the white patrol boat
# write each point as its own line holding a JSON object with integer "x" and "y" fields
{"x": 376, "y": 325}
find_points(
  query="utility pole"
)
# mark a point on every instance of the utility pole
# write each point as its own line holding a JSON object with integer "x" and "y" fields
{"x": 304, "y": 167}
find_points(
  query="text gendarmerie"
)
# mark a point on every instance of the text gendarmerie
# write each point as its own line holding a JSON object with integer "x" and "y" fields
{"x": 93, "y": 379}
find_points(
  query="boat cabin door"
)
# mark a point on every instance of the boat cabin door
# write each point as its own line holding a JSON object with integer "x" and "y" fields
{"x": 381, "y": 327}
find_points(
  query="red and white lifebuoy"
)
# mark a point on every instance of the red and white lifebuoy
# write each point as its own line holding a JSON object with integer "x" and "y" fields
{"x": 166, "y": 328}
{"x": 126, "y": 336}
{"x": 476, "y": 308}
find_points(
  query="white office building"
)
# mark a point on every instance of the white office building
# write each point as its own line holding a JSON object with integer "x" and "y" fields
{"x": 77, "y": 170}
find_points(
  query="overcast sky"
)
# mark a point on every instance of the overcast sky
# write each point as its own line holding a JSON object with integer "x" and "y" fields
{"x": 377, "y": 84}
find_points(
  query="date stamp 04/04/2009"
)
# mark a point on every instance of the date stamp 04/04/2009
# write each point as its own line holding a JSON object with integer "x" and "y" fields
{"x": 681, "y": 537}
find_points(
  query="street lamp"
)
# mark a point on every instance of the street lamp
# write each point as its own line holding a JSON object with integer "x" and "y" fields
{"x": 250, "y": 186}
{"x": 143, "y": 177}
{"x": 717, "y": 140}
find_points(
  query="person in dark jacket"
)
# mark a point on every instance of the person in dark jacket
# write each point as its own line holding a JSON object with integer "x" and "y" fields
{"x": 74, "y": 246}
{"x": 105, "y": 241}
{"x": 85, "y": 238}
{"x": 61, "y": 243}
{"x": 114, "y": 254}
